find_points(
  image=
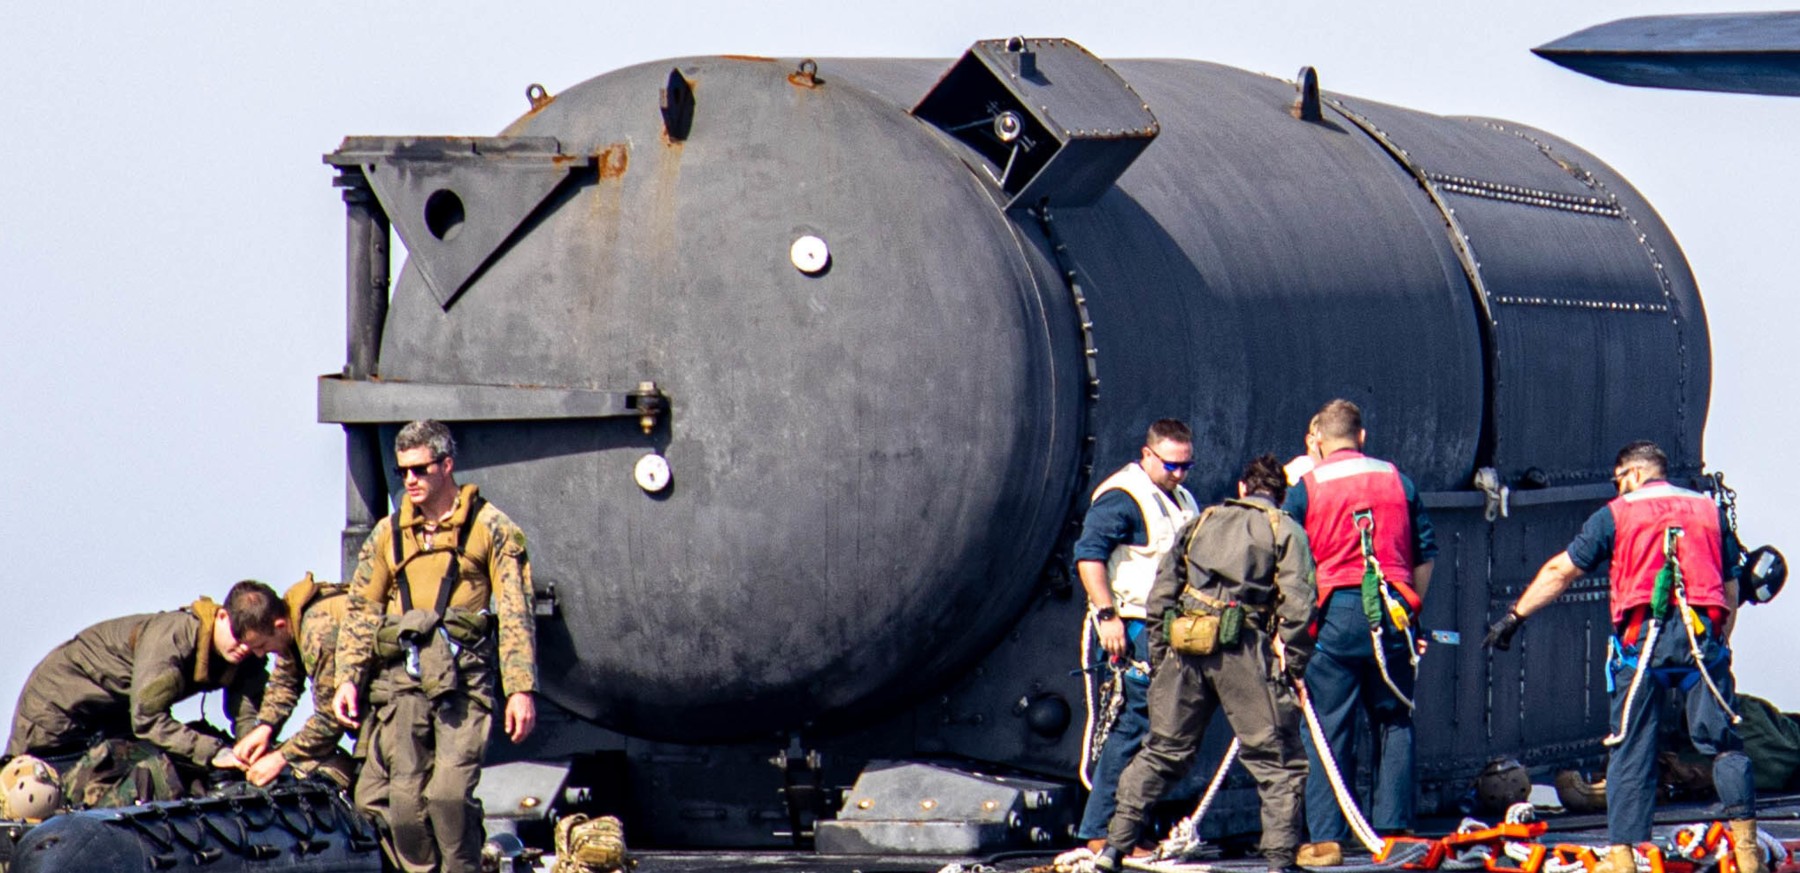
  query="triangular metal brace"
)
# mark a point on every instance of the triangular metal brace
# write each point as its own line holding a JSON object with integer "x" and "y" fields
{"x": 456, "y": 200}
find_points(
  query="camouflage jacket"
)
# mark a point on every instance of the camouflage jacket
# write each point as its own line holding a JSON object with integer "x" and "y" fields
{"x": 1238, "y": 554}
{"x": 119, "y": 679}
{"x": 492, "y": 568}
{"x": 320, "y": 608}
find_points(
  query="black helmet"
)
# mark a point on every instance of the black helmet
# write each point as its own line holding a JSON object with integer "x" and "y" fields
{"x": 1502, "y": 783}
{"x": 1763, "y": 574}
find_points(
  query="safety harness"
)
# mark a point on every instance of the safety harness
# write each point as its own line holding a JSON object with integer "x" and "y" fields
{"x": 1381, "y": 607}
{"x": 1183, "y": 840}
{"x": 1105, "y": 702}
{"x": 1668, "y": 598}
{"x": 447, "y": 585}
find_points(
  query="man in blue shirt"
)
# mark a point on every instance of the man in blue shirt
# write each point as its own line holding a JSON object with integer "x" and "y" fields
{"x": 1673, "y": 588}
{"x": 1360, "y": 513}
{"x": 1131, "y": 523}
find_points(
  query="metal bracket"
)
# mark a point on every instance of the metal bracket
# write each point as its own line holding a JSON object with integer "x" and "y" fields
{"x": 1306, "y": 103}
{"x": 1498, "y": 495}
{"x": 374, "y": 401}
{"x": 543, "y": 601}
{"x": 455, "y": 200}
{"x": 802, "y": 790}
{"x": 1055, "y": 122}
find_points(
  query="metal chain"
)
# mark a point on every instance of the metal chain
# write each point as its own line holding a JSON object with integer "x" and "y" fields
{"x": 1726, "y": 497}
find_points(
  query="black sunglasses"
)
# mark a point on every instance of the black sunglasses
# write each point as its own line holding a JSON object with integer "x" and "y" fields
{"x": 418, "y": 470}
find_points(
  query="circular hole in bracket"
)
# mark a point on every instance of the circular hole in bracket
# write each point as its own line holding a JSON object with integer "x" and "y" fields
{"x": 443, "y": 214}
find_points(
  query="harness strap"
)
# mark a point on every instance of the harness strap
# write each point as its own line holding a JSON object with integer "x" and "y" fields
{"x": 1670, "y": 590}
{"x": 1380, "y": 606}
{"x": 447, "y": 585}
{"x": 1271, "y": 513}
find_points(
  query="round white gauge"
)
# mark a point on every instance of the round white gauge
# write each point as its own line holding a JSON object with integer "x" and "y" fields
{"x": 652, "y": 472}
{"x": 810, "y": 255}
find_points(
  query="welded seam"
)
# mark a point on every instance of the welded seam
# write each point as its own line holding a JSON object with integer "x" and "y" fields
{"x": 1526, "y": 196}
{"x": 1583, "y": 175}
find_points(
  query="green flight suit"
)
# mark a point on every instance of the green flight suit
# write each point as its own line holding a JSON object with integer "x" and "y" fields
{"x": 113, "y": 685}
{"x": 1245, "y": 551}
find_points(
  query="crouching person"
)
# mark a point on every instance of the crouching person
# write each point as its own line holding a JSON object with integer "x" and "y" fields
{"x": 95, "y": 711}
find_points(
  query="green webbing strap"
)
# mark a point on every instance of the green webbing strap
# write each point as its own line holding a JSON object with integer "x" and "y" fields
{"x": 1372, "y": 579}
{"x": 1662, "y": 596}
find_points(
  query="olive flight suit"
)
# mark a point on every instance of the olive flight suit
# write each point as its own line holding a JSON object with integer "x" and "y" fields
{"x": 109, "y": 690}
{"x": 427, "y": 653}
{"x": 1245, "y": 551}
{"x": 317, "y": 610}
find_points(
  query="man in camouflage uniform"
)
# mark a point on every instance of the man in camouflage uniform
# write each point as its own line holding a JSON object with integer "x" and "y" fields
{"x": 97, "y": 707}
{"x": 419, "y": 635}
{"x": 1241, "y": 554}
{"x": 317, "y": 609}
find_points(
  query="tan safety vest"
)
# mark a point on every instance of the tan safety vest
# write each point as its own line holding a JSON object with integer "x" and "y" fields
{"x": 1132, "y": 569}
{"x": 419, "y": 573}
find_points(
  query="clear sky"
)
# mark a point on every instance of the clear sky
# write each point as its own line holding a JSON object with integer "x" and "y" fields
{"x": 172, "y": 251}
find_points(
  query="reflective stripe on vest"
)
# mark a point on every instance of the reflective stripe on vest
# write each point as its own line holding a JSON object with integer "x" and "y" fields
{"x": 1132, "y": 569}
{"x": 1639, "y": 519}
{"x": 1343, "y": 485}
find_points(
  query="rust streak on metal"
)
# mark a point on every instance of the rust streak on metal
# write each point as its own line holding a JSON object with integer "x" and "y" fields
{"x": 613, "y": 160}
{"x": 757, "y": 58}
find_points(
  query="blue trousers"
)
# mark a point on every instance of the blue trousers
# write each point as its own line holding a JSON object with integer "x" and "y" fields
{"x": 1343, "y": 676}
{"x": 1122, "y": 743}
{"x": 1673, "y": 678}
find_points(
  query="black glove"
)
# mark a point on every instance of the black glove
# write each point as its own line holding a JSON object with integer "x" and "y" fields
{"x": 1500, "y": 633}
{"x": 1296, "y": 670}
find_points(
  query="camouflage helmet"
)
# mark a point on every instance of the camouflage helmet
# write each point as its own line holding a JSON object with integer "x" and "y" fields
{"x": 1502, "y": 783}
{"x": 28, "y": 790}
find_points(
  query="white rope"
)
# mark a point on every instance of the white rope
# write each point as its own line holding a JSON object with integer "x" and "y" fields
{"x": 1381, "y": 661}
{"x": 1087, "y": 696}
{"x": 1637, "y": 681}
{"x": 1694, "y": 646}
{"x": 1154, "y": 865}
{"x": 1346, "y": 801}
{"x": 1184, "y": 837}
{"x": 1371, "y": 566}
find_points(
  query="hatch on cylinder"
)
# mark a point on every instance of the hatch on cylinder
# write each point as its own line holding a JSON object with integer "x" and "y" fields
{"x": 1052, "y": 121}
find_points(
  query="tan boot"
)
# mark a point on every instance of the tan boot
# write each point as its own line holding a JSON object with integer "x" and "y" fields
{"x": 1328, "y": 854}
{"x": 1749, "y": 855}
{"x": 1618, "y": 859}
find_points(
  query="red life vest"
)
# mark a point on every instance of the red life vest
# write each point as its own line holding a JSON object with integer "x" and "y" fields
{"x": 1341, "y": 486}
{"x": 1639, "y": 519}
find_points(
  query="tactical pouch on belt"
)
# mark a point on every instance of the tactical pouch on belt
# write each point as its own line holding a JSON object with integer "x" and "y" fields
{"x": 1194, "y": 632}
{"x": 465, "y": 628}
{"x": 1231, "y": 624}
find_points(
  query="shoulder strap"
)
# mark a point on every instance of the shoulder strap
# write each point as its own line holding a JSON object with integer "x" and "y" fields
{"x": 452, "y": 574}
{"x": 1204, "y": 515}
{"x": 397, "y": 535}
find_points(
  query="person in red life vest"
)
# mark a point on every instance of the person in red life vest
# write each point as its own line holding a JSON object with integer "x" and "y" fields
{"x": 1130, "y": 524}
{"x": 1374, "y": 546}
{"x": 1673, "y": 587}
